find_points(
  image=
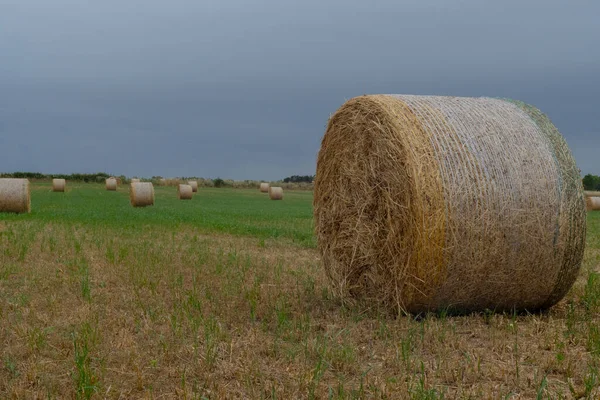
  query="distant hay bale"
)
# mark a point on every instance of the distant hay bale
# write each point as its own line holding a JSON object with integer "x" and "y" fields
{"x": 276, "y": 193}
{"x": 15, "y": 195}
{"x": 264, "y": 187}
{"x": 194, "y": 185}
{"x": 185, "y": 192}
{"x": 431, "y": 203}
{"x": 135, "y": 180}
{"x": 59, "y": 185}
{"x": 111, "y": 183}
{"x": 592, "y": 203}
{"x": 141, "y": 194}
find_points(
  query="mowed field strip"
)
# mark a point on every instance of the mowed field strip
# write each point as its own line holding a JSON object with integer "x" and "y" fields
{"x": 224, "y": 296}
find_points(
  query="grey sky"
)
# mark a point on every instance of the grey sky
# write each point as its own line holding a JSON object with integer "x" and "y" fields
{"x": 243, "y": 89}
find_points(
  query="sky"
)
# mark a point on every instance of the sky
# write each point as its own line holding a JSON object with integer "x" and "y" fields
{"x": 243, "y": 89}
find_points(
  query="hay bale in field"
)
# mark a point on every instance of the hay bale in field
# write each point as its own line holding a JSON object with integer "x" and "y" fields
{"x": 275, "y": 193}
{"x": 141, "y": 194}
{"x": 592, "y": 203}
{"x": 194, "y": 185}
{"x": 135, "y": 180}
{"x": 15, "y": 195}
{"x": 264, "y": 187}
{"x": 59, "y": 185}
{"x": 184, "y": 192}
{"x": 111, "y": 183}
{"x": 427, "y": 203}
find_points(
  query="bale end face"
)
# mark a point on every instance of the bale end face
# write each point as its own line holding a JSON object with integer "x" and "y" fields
{"x": 184, "y": 192}
{"x": 276, "y": 193}
{"x": 141, "y": 194}
{"x": 15, "y": 195}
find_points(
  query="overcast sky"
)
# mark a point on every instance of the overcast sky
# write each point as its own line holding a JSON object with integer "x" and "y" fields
{"x": 243, "y": 89}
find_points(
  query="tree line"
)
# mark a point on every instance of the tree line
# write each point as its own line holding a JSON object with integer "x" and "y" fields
{"x": 591, "y": 182}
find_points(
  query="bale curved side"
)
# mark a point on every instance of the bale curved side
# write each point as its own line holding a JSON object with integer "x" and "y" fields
{"x": 275, "y": 193}
{"x": 59, "y": 185}
{"x": 15, "y": 195}
{"x": 592, "y": 203}
{"x": 194, "y": 185}
{"x": 184, "y": 192}
{"x": 427, "y": 203}
{"x": 141, "y": 194}
{"x": 264, "y": 187}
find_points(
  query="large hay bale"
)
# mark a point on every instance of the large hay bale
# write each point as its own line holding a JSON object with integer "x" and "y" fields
{"x": 15, "y": 195}
{"x": 592, "y": 203}
{"x": 430, "y": 203}
{"x": 275, "y": 193}
{"x": 111, "y": 183}
{"x": 194, "y": 185}
{"x": 185, "y": 192}
{"x": 59, "y": 185}
{"x": 264, "y": 187}
{"x": 141, "y": 194}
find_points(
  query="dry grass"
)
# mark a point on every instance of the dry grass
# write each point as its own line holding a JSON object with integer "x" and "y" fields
{"x": 106, "y": 313}
{"x": 433, "y": 203}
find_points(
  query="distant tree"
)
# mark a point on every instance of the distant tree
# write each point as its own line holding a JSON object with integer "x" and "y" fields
{"x": 218, "y": 182}
{"x": 591, "y": 182}
{"x": 299, "y": 178}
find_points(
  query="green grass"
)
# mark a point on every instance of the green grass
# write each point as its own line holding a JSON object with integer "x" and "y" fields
{"x": 241, "y": 212}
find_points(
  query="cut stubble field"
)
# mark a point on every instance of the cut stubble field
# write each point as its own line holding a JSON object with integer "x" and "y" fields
{"x": 224, "y": 296}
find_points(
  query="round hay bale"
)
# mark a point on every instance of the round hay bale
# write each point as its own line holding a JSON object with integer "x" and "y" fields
{"x": 59, "y": 185}
{"x": 15, "y": 195}
{"x": 194, "y": 185}
{"x": 275, "y": 193}
{"x": 184, "y": 192}
{"x": 135, "y": 180}
{"x": 592, "y": 203}
{"x": 434, "y": 203}
{"x": 111, "y": 183}
{"x": 141, "y": 194}
{"x": 264, "y": 187}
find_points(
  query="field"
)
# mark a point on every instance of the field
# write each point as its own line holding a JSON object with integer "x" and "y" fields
{"x": 224, "y": 296}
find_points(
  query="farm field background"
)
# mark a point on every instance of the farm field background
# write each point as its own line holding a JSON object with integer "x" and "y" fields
{"x": 224, "y": 296}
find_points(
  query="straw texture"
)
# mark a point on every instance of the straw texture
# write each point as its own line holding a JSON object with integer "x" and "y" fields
{"x": 264, "y": 187}
{"x": 428, "y": 203}
{"x": 185, "y": 192}
{"x": 111, "y": 183}
{"x": 59, "y": 185}
{"x": 135, "y": 180}
{"x": 15, "y": 195}
{"x": 276, "y": 193}
{"x": 194, "y": 185}
{"x": 141, "y": 194}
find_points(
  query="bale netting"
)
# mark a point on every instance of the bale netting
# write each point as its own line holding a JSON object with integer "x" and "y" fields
{"x": 194, "y": 185}
{"x": 15, "y": 195}
{"x": 592, "y": 203}
{"x": 275, "y": 193}
{"x": 111, "y": 183}
{"x": 426, "y": 203}
{"x": 184, "y": 192}
{"x": 264, "y": 187}
{"x": 141, "y": 194}
{"x": 59, "y": 185}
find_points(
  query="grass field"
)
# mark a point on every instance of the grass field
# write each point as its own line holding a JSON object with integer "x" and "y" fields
{"x": 224, "y": 296}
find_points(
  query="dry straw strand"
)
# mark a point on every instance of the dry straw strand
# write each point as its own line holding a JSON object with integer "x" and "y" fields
{"x": 264, "y": 187}
{"x": 275, "y": 193}
{"x": 111, "y": 183}
{"x": 15, "y": 195}
{"x": 185, "y": 192}
{"x": 194, "y": 185}
{"x": 141, "y": 194}
{"x": 427, "y": 203}
{"x": 59, "y": 185}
